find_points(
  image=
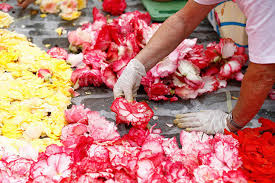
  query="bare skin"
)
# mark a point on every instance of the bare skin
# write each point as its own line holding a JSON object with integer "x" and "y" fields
{"x": 257, "y": 83}
{"x": 258, "y": 79}
{"x": 24, "y": 3}
{"x": 175, "y": 29}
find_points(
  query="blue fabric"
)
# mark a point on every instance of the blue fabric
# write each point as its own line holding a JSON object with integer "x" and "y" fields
{"x": 245, "y": 46}
{"x": 232, "y": 23}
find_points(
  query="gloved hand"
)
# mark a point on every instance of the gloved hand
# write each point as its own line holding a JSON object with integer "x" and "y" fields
{"x": 129, "y": 81}
{"x": 208, "y": 121}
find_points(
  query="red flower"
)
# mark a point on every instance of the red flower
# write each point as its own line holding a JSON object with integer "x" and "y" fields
{"x": 136, "y": 113}
{"x": 85, "y": 77}
{"x": 257, "y": 150}
{"x": 103, "y": 39}
{"x": 115, "y": 7}
{"x": 108, "y": 76}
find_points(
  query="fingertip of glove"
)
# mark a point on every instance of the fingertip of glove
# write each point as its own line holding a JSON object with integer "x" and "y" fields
{"x": 180, "y": 125}
{"x": 176, "y": 121}
{"x": 179, "y": 116}
{"x": 131, "y": 100}
{"x": 188, "y": 129}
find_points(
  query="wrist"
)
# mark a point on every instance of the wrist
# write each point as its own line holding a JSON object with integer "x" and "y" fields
{"x": 139, "y": 67}
{"x": 231, "y": 124}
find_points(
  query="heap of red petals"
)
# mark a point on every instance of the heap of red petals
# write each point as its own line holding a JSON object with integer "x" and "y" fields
{"x": 257, "y": 150}
{"x": 93, "y": 151}
{"x": 136, "y": 113}
{"x": 115, "y": 7}
{"x": 189, "y": 71}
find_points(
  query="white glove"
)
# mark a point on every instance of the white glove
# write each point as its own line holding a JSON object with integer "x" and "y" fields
{"x": 209, "y": 121}
{"x": 129, "y": 81}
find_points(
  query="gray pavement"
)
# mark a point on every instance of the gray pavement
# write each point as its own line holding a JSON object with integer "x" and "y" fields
{"x": 41, "y": 31}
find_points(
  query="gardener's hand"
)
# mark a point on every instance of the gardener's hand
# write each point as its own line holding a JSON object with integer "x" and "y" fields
{"x": 129, "y": 81}
{"x": 24, "y": 3}
{"x": 209, "y": 121}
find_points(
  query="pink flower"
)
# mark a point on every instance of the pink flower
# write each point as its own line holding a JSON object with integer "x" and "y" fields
{"x": 176, "y": 172}
{"x": 210, "y": 84}
{"x": 136, "y": 136}
{"x": 100, "y": 129}
{"x": 54, "y": 167}
{"x": 205, "y": 173}
{"x": 76, "y": 60}
{"x": 136, "y": 113}
{"x": 234, "y": 65}
{"x": 189, "y": 74}
{"x": 197, "y": 56}
{"x": 124, "y": 157}
{"x": 58, "y": 53}
{"x": 71, "y": 134}
{"x": 108, "y": 76}
{"x": 185, "y": 92}
{"x": 85, "y": 77}
{"x": 77, "y": 114}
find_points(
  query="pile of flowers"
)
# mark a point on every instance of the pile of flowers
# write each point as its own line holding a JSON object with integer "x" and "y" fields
{"x": 67, "y": 9}
{"x": 93, "y": 151}
{"x": 107, "y": 45}
{"x": 41, "y": 143}
{"x": 34, "y": 94}
{"x": 257, "y": 150}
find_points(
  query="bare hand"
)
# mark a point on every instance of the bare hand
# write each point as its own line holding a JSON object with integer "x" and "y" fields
{"x": 24, "y": 3}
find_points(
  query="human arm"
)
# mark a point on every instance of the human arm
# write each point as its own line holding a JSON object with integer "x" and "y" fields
{"x": 257, "y": 83}
{"x": 171, "y": 33}
{"x": 165, "y": 40}
{"x": 24, "y": 3}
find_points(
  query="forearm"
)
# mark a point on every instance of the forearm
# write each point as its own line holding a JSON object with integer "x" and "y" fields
{"x": 164, "y": 41}
{"x": 256, "y": 85}
{"x": 172, "y": 32}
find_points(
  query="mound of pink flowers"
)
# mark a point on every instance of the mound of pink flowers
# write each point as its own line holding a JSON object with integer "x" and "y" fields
{"x": 93, "y": 151}
{"x": 107, "y": 45}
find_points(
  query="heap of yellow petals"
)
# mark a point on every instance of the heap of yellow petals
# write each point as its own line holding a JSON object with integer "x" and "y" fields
{"x": 31, "y": 108}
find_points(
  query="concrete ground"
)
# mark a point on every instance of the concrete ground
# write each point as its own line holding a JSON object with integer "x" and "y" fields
{"x": 41, "y": 31}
